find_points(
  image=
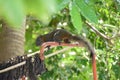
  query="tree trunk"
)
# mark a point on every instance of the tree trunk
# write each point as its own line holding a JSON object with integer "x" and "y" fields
{"x": 11, "y": 41}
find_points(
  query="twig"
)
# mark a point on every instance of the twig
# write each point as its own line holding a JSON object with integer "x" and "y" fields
{"x": 12, "y": 67}
{"x": 57, "y": 52}
{"x": 97, "y": 32}
{"x": 29, "y": 55}
{"x": 108, "y": 25}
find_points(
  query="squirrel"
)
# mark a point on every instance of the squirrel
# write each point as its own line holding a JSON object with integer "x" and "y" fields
{"x": 61, "y": 35}
{"x": 58, "y": 35}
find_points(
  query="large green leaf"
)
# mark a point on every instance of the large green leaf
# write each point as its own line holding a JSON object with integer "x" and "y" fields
{"x": 42, "y": 9}
{"x": 75, "y": 17}
{"x": 87, "y": 11}
{"x": 13, "y": 12}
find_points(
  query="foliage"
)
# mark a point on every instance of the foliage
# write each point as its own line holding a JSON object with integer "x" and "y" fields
{"x": 44, "y": 16}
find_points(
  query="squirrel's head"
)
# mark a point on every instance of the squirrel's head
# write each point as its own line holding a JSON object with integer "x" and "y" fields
{"x": 39, "y": 40}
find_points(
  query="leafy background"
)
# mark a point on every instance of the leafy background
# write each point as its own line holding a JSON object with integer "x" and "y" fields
{"x": 42, "y": 16}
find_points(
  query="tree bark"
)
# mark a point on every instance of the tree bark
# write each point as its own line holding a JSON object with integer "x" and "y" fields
{"x": 11, "y": 41}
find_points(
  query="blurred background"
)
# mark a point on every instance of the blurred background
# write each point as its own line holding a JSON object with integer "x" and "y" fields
{"x": 96, "y": 20}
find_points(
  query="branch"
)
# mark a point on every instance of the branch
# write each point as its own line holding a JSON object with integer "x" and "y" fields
{"x": 97, "y": 32}
{"x": 57, "y": 52}
{"x": 29, "y": 55}
{"x": 44, "y": 45}
{"x": 12, "y": 67}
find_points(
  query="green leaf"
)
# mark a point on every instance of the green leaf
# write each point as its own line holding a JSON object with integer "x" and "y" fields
{"x": 42, "y": 9}
{"x": 87, "y": 11}
{"x": 13, "y": 12}
{"x": 76, "y": 17}
{"x": 62, "y": 4}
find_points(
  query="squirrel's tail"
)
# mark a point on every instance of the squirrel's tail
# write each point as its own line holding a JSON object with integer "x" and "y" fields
{"x": 83, "y": 42}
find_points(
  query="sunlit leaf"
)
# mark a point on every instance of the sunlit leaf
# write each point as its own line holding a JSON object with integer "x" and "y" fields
{"x": 42, "y": 9}
{"x": 75, "y": 16}
{"x": 87, "y": 11}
